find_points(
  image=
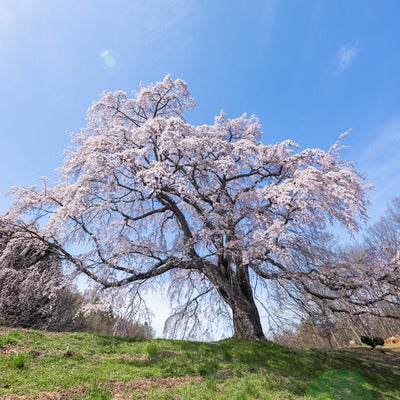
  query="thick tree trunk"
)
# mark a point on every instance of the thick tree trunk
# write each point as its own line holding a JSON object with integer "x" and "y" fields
{"x": 238, "y": 294}
{"x": 246, "y": 320}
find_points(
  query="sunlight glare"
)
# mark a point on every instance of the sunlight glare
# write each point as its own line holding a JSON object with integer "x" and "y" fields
{"x": 108, "y": 59}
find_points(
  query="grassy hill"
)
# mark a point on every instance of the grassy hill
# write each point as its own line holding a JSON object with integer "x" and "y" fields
{"x": 40, "y": 365}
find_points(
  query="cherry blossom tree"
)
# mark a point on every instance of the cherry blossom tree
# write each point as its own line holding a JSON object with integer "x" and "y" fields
{"x": 30, "y": 280}
{"x": 145, "y": 195}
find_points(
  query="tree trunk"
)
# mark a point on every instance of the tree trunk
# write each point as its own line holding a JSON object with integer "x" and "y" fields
{"x": 238, "y": 294}
{"x": 246, "y": 320}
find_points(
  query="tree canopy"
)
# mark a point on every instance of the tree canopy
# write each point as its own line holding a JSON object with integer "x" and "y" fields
{"x": 144, "y": 194}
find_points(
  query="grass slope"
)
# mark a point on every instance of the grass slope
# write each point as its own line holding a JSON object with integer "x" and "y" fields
{"x": 72, "y": 366}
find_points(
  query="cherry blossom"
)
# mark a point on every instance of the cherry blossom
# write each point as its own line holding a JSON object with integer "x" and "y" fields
{"x": 145, "y": 195}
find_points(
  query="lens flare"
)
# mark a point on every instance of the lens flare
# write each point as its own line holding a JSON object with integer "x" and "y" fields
{"x": 108, "y": 59}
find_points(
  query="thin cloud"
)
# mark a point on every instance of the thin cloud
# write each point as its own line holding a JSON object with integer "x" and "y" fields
{"x": 345, "y": 57}
{"x": 163, "y": 27}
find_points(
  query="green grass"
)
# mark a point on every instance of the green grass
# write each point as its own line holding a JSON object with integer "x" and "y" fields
{"x": 90, "y": 366}
{"x": 95, "y": 392}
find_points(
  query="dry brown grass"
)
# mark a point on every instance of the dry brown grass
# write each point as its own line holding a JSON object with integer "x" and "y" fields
{"x": 135, "y": 388}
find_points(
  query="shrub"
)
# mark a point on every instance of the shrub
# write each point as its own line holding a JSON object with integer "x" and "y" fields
{"x": 151, "y": 350}
{"x": 372, "y": 341}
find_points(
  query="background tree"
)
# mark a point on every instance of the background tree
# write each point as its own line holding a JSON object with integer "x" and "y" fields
{"x": 34, "y": 292}
{"x": 369, "y": 273}
{"x": 211, "y": 208}
{"x": 30, "y": 280}
{"x": 383, "y": 238}
{"x": 372, "y": 306}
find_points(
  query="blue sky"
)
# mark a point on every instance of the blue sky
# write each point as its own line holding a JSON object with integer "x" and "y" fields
{"x": 309, "y": 69}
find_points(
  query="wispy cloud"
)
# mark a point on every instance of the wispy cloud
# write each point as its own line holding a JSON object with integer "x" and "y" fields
{"x": 345, "y": 57}
{"x": 163, "y": 28}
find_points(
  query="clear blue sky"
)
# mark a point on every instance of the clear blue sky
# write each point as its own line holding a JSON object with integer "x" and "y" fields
{"x": 309, "y": 69}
